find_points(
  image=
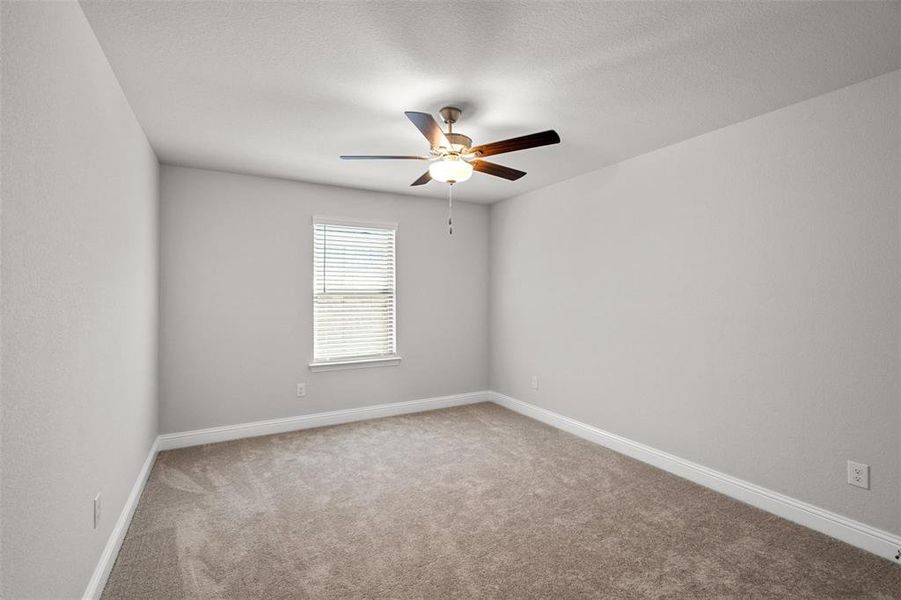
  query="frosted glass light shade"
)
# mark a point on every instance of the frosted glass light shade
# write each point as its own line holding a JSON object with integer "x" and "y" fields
{"x": 450, "y": 169}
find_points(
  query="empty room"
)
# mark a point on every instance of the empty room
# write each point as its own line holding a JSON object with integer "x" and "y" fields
{"x": 396, "y": 299}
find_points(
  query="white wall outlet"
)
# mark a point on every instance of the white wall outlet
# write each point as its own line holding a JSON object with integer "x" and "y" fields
{"x": 534, "y": 382}
{"x": 98, "y": 508}
{"x": 301, "y": 390}
{"x": 859, "y": 474}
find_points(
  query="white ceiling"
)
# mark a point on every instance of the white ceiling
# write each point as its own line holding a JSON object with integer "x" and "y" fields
{"x": 281, "y": 89}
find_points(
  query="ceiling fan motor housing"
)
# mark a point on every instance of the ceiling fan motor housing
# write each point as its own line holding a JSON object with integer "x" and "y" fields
{"x": 459, "y": 142}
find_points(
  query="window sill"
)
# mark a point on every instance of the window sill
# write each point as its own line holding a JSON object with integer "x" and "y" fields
{"x": 361, "y": 363}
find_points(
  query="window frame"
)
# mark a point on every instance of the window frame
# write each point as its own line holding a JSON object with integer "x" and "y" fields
{"x": 360, "y": 362}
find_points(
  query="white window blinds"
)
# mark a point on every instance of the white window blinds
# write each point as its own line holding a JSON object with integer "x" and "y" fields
{"x": 353, "y": 291}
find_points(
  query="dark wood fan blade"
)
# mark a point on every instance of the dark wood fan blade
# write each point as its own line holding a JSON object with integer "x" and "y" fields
{"x": 376, "y": 157}
{"x": 427, "y": 125}
{"x": 483, "y": 166}
{"x": 424, "y": 179}
{"x": 533, "y": 140}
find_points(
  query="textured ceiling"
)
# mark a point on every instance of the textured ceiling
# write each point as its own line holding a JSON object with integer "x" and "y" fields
{"x": 281, "y": 89}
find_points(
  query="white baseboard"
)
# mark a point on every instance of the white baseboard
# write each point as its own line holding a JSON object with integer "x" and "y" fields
{"x": 170, "y": 441}
{"x": 111, "y": 550}
{"x": 858, "y": 534}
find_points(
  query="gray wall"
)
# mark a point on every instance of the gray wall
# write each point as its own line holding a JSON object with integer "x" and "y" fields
{"x": 79, "y": 299}
{"x": 236, "y": 299}
{"x": 733, "y": 299}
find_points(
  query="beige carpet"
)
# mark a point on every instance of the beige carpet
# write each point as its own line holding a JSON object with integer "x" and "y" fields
{"x": 470, "y": 502}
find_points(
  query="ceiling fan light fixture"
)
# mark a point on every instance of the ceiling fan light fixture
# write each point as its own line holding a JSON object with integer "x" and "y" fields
{"x": 450, "y": 168}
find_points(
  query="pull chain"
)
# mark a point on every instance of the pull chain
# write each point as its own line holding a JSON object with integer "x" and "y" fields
{"x": 450, "y": 209}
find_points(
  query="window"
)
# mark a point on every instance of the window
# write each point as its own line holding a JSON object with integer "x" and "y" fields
{"x": 353, "y": 294}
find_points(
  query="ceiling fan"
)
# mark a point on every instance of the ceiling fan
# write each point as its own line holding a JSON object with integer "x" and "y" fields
{"x": 452, "y": 157}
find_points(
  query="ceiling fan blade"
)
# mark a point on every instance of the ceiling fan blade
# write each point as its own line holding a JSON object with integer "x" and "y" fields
{"x": 424, "y": 179}
{"x": 490, "y": 168}
{"x": 533, "y": 140}
{"x": 376, "y": 157}
{"x": 428, "y": 126}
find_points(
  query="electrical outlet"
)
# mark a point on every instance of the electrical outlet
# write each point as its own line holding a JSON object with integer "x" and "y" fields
{"x": 859, "y": 474}
{"x": 98, "y": 508}
{"x": 301, "y": 390}
{"x": 534, "y": 382}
